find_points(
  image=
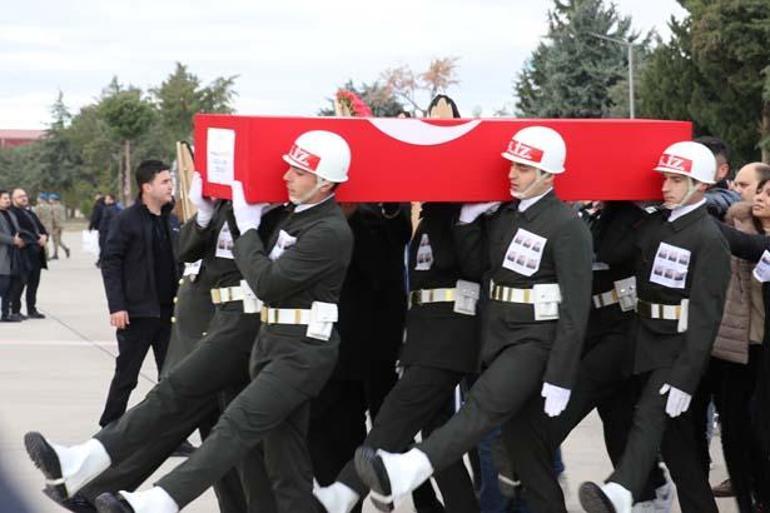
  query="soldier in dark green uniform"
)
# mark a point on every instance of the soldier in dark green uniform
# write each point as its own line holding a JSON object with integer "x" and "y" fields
{"x": 206, "y": 244}
{"x": 682, "y": 271}
{"x": 603, "y": 378}
{"x": 299, "y": 278}
{"x": 539, "y": 254}
{"x": 441, "y": 347}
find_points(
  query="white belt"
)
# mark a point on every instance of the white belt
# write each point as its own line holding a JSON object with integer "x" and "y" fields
{"x": 227, "y": 294}
{"x": 660, "y": 311}
{"x": 285, "y": 316}
{"x": 510, "y": 294}
{"x": 424, "y": 296}
{"x": 605, "y": 299}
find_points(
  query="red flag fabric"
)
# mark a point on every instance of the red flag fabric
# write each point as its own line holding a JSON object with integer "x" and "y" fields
{"x": 435, "y": 159}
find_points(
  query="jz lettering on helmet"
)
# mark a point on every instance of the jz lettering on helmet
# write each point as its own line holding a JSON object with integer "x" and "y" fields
{"x": 304, "y": 158}
{"x": 675, "y": 163}
{"x": 525, "y": 151}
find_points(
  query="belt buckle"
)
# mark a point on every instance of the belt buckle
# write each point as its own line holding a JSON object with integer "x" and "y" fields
{"x": 263, "y": 315}
{"x": 216, "y": 296}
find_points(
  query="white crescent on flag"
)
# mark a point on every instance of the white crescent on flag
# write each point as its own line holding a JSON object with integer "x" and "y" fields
{"x": 417, "y": 132}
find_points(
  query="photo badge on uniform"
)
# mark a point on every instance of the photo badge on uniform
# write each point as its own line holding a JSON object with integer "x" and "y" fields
{"x": 284, "y": 242}
{"x": 225, "y": 243}
{"x": 762, "y": 270}
{"x": 670, "y": 266}
{"x": 525, "y": 253}
{"x": 424, "y": 254}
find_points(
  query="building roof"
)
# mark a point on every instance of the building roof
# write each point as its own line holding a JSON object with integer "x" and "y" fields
{"x": 21, "y": 134}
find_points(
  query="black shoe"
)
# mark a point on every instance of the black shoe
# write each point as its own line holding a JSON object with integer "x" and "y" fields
{"x": 77, "y": 503}
{"x": 55, "y": 257}
{"x": 35, "y": 315}
{"x": 112, "y": 503}
{"x": 371, "y": 470}
{"x": 593, "y": 500}
{"x": 67, "y": 252}
{"x": 19, "y": 316}
{"x": 9, "y": 318}
{"x": 184, "y": 450}
{"x": 45, "y": 458}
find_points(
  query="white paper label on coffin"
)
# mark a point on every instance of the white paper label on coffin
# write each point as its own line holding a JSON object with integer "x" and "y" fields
{"x": 420, "y": 133}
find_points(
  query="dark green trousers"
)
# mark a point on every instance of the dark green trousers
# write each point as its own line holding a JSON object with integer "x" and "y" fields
{"x": 652, "y": 431}
{"x": 512, "y": 378}
{"x": 176, "y": 406}
{"x": 272, "y": 411}
{"x": 602, "y": 383}
{"x": 418, "y": 402}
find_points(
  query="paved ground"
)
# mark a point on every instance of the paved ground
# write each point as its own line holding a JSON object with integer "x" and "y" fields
{"x": 54, "y": 374}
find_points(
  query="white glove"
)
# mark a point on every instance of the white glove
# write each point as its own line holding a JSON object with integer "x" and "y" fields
{"x": 678, "y": 401}
{"x": 556, "y": 399}
{"x": 205, "y": 206}
{"x": 246, "y": 216}
{"x": 471, "y": 211}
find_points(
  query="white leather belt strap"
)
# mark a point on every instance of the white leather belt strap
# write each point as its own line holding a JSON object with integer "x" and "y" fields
{"x": 226, "y": 295}
{"x": 424, "y": 296}
{"x": 605, "y": 299}
{"x": 659, "y": 311}
{"x": 285, "y": 316}
{"x": 510, "y": 294}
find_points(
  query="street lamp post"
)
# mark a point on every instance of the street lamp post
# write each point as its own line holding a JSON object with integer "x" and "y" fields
{"x": 630, "y": 48}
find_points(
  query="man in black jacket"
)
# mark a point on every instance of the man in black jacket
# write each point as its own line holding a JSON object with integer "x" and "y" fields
{"x": 33, "y": 258}
{"x": 140, "y": 275}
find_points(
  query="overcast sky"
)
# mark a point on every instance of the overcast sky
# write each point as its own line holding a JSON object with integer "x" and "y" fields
{"x": 290, "y": 55}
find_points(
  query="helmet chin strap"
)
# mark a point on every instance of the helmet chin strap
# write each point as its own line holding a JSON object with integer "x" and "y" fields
{"x": 540, "y": 178}
{"x": 320, "y": 182}
{"x": 691, "y": 188}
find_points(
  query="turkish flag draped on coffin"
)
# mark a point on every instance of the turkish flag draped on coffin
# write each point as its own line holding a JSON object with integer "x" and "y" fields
{"x": 434, "y": 160}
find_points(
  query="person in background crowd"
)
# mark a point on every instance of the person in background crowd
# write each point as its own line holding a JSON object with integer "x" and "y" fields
{"x": 740, "y": 352}
{"x": 108, "y": 212}
{"x": 58, "y": 217}
{"x": 745, "y": 184}
{"x": 140, "y": 274}
{"x": 95, "y": 220}
{"x": 10, "y": 244}
{"x": 44, "y": 212}
{"x": 96, "y": 212}
{"x": 32, "y": 259}
{"x": 719, "y": 196}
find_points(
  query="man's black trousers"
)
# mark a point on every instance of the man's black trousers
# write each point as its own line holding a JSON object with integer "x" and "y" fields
{"x": 30, "y": 280}
{"x": 133, "y": 344}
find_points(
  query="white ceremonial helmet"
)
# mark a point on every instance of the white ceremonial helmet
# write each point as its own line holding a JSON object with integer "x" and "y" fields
{"x": 538, "y": 146}
{"x": 691, "y": 159}
{"x": 323, "y": 153}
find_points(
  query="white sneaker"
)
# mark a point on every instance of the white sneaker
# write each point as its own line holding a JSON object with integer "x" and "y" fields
{"x": 336, "y": 498}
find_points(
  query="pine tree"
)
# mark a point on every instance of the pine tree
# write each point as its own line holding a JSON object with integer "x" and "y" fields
{"x": 572, "y": 72}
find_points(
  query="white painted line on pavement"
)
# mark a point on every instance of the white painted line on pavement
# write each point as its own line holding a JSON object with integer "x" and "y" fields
{"x": 65, "y": 343}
